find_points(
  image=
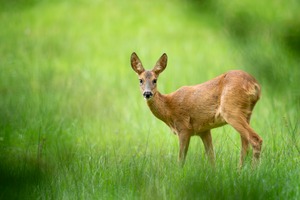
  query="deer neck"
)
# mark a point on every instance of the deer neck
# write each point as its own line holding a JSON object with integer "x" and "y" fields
{"x": 158, "y": 106}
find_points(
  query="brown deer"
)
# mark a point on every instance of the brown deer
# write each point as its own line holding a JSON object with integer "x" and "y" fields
{"x": 195, "y": 110}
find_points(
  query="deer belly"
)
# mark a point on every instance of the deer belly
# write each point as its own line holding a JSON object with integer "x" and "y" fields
{"x": 201, "y": 125}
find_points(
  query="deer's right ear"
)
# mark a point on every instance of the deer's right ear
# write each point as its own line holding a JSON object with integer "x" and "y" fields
{"x": 136, "y": 64}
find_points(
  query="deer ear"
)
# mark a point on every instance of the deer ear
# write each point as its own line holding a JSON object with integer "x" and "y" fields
{"x": 161, "y": 64}
{"x": 136, "y": 64}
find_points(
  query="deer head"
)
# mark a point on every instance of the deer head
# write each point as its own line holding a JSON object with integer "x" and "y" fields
{"x": 148, "y": 78}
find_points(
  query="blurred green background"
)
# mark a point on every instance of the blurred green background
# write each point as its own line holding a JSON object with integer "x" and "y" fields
{"x": 73, "y": 123}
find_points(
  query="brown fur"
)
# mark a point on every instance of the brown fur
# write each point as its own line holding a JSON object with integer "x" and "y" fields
{"x": 195, "y": 110}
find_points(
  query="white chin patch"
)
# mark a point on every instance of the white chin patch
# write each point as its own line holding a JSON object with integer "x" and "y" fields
{"x": 149, "y": 98}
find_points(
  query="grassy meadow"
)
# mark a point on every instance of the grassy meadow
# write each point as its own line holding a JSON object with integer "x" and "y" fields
{"x": 73, "y": 124}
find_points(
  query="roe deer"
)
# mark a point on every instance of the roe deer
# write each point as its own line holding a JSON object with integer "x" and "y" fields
{"x": 195, "y": 110}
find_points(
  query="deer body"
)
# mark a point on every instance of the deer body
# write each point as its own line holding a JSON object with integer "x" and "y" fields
{"x": 195, "y": 110}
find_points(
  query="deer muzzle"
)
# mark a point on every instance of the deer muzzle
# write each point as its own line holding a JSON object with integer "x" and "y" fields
{"x": 147, "y": 95}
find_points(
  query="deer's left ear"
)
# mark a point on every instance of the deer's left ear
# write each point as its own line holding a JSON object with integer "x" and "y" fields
{"x": 161, "y": 64}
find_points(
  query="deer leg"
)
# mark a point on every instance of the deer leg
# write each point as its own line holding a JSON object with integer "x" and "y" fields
{"x": 244, "y": 150}
{"x": 248, "y": 135}
{"x": 209, "y": 150}
{"x": 245, "y": 144}
{"x": 184, "y": 141}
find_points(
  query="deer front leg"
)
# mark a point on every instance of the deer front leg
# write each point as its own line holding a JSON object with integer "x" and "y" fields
{"x": 184, "y": 141}
{"x": 209, "y": 150}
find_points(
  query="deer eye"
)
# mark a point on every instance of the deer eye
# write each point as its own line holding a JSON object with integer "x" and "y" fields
{"x": 141, "y": 81}
{"x": 154, "y": 81}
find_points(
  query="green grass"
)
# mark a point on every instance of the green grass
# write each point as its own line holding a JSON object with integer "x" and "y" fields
{"x": 73, "y": 124}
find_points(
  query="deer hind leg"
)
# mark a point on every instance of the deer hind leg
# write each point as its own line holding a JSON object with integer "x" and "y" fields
{"x": 245, "y": 142}
{"x": 248, "y": 135}
{"x": 244, "y": 150}
{"x": 209, "y": 150}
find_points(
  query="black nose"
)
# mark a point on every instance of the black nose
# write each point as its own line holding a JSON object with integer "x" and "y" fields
{"x": 147, "y": 94}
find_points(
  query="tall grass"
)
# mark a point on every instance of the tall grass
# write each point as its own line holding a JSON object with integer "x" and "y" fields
{"x": 74, "y": 125}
